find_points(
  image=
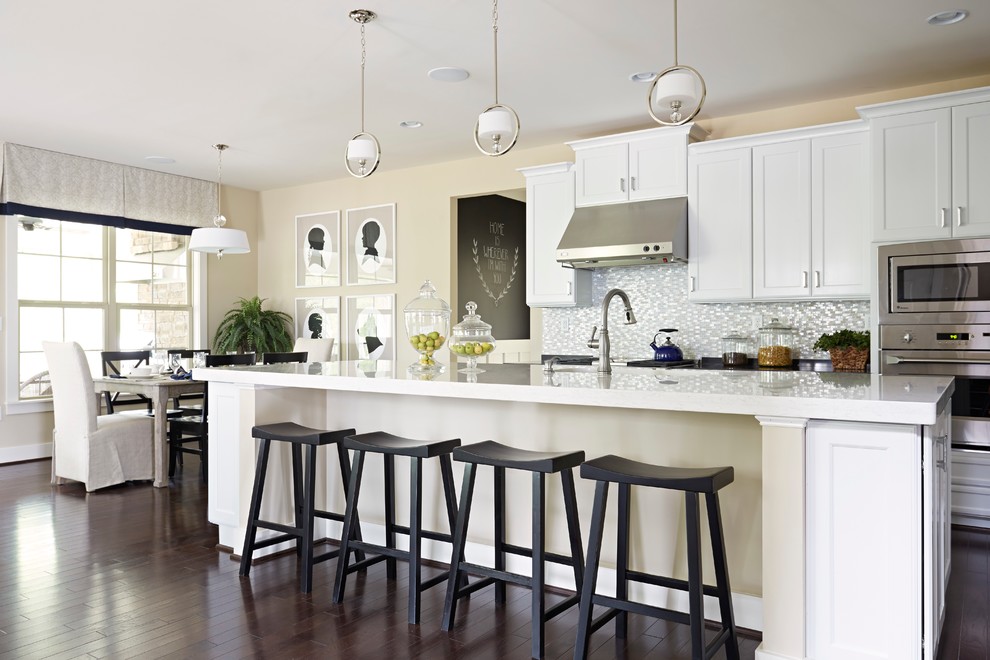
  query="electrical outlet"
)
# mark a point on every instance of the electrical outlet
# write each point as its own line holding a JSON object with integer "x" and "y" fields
{"x": 565, "y": 323}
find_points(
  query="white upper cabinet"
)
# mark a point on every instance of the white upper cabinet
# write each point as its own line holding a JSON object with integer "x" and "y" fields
{"x": 792, "y": 225}
{"x": 720, "y": 225}
{"x": 629, "y": 167}
{"x": 930, "y": 157}
{"x": 549, "y": 206}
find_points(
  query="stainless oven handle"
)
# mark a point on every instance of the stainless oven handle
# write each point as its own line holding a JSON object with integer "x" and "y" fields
{"x": 893, "y": 359}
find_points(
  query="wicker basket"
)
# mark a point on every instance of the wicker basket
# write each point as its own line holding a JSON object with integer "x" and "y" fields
{"x": 849, "y": 359}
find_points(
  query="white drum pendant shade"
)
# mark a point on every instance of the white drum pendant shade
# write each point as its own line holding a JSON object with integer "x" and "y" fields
{"x": 219, "y": 240}
{"x": 678, "y": 85}
{"x": 361, "y": 149}
{"x": 497, "y": 121}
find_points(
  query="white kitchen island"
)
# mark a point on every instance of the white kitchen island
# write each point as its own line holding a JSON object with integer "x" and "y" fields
{"x": 836, "y": 525}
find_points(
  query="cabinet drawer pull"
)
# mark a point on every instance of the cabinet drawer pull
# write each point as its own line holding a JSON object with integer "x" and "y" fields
{"x": 632, "y": 182}
{"x": 691, "y": 283}
{"x": 804, "y": 279}
{"x": 818, "y": 279}
{"x": 570, "y": 288}
{"x": 622, "y": 184}
{"x": 958, "y": 216}
{"x": 941, "y": 218}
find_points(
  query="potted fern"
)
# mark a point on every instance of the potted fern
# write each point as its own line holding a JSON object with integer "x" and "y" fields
{"x": 849, "y": 349}
{"x": 248, "y": 328}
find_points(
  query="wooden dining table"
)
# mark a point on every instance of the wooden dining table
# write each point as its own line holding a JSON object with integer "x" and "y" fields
{"x": 160, "y": 389}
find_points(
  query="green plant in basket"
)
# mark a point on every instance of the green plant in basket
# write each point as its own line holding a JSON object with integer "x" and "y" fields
{"x": 247, "y": 327}
{"x": 849, "y": 349}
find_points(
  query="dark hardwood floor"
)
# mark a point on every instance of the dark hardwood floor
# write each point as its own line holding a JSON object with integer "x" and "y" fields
{"x": 132, "y": 571}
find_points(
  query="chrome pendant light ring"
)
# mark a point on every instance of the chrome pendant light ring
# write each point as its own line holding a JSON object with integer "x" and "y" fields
{"x": 498, "y": 149}
{"x": 364, "y": 170}
{"x": 665, "y": 119}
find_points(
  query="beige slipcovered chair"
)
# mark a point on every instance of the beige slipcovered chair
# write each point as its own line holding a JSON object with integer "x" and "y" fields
{"x": 319, "y": 350}
{"x": 98, "y": 450}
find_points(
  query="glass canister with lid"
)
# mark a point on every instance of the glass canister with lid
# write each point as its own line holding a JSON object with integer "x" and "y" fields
{"x": 736, "y": 348}
{"x": 472, "y": 339}
{"x": 776, "y": 342}
{"x": 427, "y": 326}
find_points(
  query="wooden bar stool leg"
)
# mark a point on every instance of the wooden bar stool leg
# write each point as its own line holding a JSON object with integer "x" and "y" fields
{"x": 722, "y": 574}
{"x": 345, "y": 475}
{"x": 622, "y": 559}
{"x": 450, "y": 499}
{"x": 500, "y": 532}
{"x": 573, "y": 527}
{"x": 309, "y": 506}
{"x": 415, "y": 537}
{"x": 389, "y": 461}
{"x": 298, "y": 495}
{"x": 458, "y": 543}
{"x": 350, "y": 516}
{"x": 696, "y": 603}
{"x": 591, "y": 571}
{"x": 255, "y": 509}
{"x": 538, "y": 603}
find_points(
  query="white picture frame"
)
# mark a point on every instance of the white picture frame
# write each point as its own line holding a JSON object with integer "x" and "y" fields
{"x": 317, "y": 249}
{"x": 369, "y": 327}
{"x": 370, "y": 246}
{"x": 319, "y": 318}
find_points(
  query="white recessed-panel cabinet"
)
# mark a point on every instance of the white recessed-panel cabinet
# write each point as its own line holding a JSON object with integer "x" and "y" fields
{"x": 549, "y": 206}
{"x": 806, "y": 199}
{"x": 931, "y": 162}
{"x": 810, "y": 217}
{"x": 720, "y": 225}
{"x": 631, "y": 167}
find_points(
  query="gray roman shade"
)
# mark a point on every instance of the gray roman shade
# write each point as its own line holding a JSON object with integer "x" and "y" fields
{"x": 48, "y": 184}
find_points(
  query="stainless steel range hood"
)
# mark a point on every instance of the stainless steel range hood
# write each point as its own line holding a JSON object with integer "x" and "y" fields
{"x": 632, "y": 234}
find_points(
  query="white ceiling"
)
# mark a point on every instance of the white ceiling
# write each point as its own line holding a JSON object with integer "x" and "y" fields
{"x": 278, "y": 80}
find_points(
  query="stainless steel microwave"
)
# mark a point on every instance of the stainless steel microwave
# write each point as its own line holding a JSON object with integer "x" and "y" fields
{"x": 935, "y": 281}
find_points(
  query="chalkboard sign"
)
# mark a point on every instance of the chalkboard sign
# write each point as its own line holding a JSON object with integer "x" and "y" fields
{"x": 491, "y": 263}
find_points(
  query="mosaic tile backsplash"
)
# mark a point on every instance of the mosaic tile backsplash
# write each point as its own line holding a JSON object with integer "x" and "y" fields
{"x": 659, "y": 299}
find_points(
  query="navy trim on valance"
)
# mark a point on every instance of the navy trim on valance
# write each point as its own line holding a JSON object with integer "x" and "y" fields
{"x": 13, "y": 208}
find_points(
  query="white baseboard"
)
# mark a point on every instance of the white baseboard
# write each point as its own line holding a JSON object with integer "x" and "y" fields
{"x": 25, "y": 453}
{"x": 769, "y": 655}
{"x": 747, "y": 609}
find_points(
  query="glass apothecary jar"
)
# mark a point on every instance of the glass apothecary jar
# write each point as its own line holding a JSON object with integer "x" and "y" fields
{"x": 736, "y": 348}
{"x": 776, "y": 342}
{"x": 471, "y": 339}
{"x": 427, "y": 327}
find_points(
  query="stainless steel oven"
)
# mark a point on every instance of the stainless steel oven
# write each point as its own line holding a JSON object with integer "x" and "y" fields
{"x": 935, "y": 282}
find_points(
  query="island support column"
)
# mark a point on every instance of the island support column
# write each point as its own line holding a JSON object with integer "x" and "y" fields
{"x": 784, "y": 540}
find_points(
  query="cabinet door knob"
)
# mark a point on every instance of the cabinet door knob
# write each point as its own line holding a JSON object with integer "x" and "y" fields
{"x": 632, "y": 182}
{"x": 941, "y": 218}
{"x": 622, "y": 184}
{"x": 958, "y": 216}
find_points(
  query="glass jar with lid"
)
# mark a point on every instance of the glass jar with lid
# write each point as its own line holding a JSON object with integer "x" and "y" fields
{"x": 472, "y": 339}
{"x": 735, "y": 349}
{"x": 427, "y": 326}
{"x": 776, "y": 342}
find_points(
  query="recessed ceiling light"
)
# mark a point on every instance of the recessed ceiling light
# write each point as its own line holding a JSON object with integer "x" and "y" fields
{"x": 160, "y": 160}
{"x": 410, "y": 123}
{"x": 448, "y": 74}
{"x": 643, "y": 76}
{"x": 948, "y": 17}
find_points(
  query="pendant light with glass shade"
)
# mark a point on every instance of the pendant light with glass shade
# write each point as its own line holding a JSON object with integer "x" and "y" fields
{"x": 219, "y": 239}
{"x": 678, "y": 92}
{"x": 364, "y": 153}
{"x": 498, "y": 124}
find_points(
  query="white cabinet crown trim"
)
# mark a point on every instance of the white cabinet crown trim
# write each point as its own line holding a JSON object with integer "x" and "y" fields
{"x": 551, "y": 168}
{"x": 774, "y": 137}
{"x": 692, "y": 131}
{"x": 933, "y": 102}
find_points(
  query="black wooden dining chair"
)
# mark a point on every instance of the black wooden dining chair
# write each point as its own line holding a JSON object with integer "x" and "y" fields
{"x": 187, "y": 403}
{"x": 113, "y": 363}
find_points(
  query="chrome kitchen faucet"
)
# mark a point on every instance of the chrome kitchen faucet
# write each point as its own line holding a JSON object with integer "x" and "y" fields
{"x": 602, "y": 342}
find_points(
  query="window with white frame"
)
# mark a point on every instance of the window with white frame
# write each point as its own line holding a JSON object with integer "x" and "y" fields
{"x": 104, "y": 287}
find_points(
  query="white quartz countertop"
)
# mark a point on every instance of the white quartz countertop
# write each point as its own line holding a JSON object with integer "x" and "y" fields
{"x": 803, "y": 394}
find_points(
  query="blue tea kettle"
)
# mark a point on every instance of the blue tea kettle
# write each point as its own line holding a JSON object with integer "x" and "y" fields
{"x": 667, "y": 351}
